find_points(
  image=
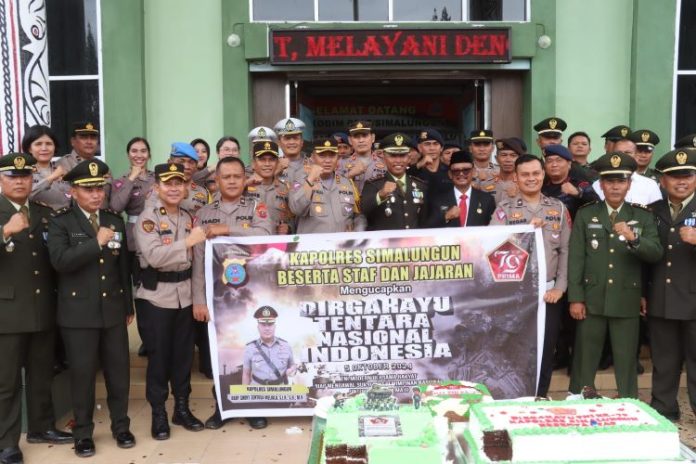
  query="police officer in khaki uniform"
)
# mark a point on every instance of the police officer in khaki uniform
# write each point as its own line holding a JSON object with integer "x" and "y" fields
{"x": 164, "y": 238}
{"x": 324, "y": 201}
{"x": 532, "y": 207}
{"x": 49, "y": 188}
{"x": 671, "y": 305}
{"x": 485, "y": 172}
{"x": 94, "y": 302}
{"x": 268, "y": 360}
{"x": 294, "y": 165}
{"x": 198, "y": 196}
{"x": 264, "y": 187}
{"x": 27, "y": 318}
{"x": 232, "y": 214}
{"x": 396, "y": 200}
{"x": 363, "y": 164}
{"x": 610, "y": 242}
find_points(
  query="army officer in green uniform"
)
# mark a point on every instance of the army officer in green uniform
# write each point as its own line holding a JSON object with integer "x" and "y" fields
{"x": 27, "y": 317}
{"x": 610, "y": 241}
{"x": 94, "y": 302}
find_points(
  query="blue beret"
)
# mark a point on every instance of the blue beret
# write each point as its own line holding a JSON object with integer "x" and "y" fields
{"x": 181, "y": 149}
{"x": 341, "y": 137}
{"x": 558, "y": 150}
{"x": 430, "y": 134}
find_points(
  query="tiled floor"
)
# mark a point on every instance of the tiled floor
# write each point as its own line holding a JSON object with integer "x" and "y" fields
{"x": 236, "y": 443}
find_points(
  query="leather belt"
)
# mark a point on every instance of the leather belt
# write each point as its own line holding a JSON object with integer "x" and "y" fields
{"x": 174, "y": 276}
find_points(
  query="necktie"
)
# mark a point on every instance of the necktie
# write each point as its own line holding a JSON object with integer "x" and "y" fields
{"x": 462, "y": 210}
{"x": 94, "y": 222}
{"x": 25, "y": 211}
{"x": 676, "y": 209}
{"x": 612, "y": 216}
{"x": 402, "y": 186}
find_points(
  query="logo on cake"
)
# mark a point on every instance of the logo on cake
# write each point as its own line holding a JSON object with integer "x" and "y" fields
{"x": 508, "y": 262}
{"x": 450, "y": 390}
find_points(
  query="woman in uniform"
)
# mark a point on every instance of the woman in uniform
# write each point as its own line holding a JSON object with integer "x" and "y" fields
{"x": 49, "y": 188}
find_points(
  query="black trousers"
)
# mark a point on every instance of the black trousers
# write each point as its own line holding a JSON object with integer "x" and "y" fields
{"x": 86, "y": 349}
{"x": 554, "y": 315}
{"x": 203, "y": 344}
{"x": 169, "y": 344}
{"x": 34, "y": 351}
{"x": 673, "y": 343}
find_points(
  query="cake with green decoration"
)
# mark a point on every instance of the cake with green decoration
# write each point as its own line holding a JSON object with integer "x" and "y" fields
{"x": 372, "y": 428}
{"x": 593, "y": 430}
{"x": 451, "y": 398}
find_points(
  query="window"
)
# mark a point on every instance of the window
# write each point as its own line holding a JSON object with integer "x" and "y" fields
{"x": 685, "y": 76}
{"x": 389, "y": 10}
{"x": 74, "y": 65}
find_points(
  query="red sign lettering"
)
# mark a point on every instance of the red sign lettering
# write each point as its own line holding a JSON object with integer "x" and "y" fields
{"x": 401, "y": 46}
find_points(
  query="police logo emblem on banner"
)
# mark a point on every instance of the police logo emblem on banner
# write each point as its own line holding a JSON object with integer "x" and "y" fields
{"x": 234, "y": 273}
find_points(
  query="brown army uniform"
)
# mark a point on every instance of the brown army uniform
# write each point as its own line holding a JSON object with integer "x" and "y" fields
{"x": 333, "y": 206}
{"x": 244, "y": 217}
{"x": 275, "y": 197}
{"x": 556, "y": 234}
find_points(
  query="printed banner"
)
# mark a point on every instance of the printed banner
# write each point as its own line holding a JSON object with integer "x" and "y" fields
{"x": 296, "y": 318}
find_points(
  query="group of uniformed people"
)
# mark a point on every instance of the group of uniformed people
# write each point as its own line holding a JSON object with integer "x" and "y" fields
{"x": 72, "y": 266}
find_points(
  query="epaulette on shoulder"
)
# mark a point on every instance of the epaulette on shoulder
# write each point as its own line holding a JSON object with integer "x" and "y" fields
{"x": 638, "y": 205}
{"x": 375, "y": 180}
{"x": 60, "y": 212}
{"x": 111, "y": 211}
{"x": 417, "y": 179}
{"x": 40, "y": 203}
{"x": 281, "y": 339}
{"x": 588, "y": 204}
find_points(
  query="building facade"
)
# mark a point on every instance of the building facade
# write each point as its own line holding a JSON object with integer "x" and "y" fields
{"x": 173, "y": 70}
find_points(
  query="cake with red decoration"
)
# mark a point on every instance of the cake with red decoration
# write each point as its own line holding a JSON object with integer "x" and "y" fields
{"x": 592, "y": 430}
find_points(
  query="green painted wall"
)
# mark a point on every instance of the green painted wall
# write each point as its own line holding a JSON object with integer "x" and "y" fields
{"x": 594, "y": 66}
{"x": 652, "y": 69}
{"x": 183, "y": 73}
{"x": 123, "y": 78}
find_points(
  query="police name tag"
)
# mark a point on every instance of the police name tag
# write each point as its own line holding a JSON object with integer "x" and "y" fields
{"x": 690, "y": 222}
{"x": 594, "y": 226}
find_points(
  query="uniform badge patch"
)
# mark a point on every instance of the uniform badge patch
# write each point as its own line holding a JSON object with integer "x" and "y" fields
{"x": 500, "y": 214}
{"x": 262, "y": 211}
{"x": 167, "y": 241}
{"x": 148, "y": 226}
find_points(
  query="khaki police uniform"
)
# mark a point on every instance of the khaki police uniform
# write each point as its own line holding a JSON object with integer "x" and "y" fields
{"x": 55, "y": 194}
{"x": 27, "y": 317}
{"x": 197, "y": 198}
{"x": 332, "y": 207}
{"x": 556, "y": 234}
{"x": 275, "y": 197}
{"x": 605, "y": 274}
{"x": 94, "y": 301}
{"x": 129, "y": 196}
{"x": 267, "y": 363}
{"x": 486, "y": 178}
{"x": 245, "y": 217}
{"x": 163, "y": 297}
{"x": 375, "y": 168}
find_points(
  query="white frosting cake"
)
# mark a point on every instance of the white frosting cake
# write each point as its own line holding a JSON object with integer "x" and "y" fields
{"x": 561, "y": 431}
